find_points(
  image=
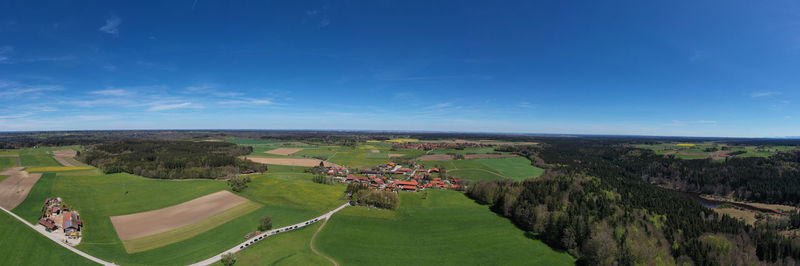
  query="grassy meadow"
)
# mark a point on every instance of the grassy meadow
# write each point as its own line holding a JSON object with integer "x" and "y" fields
{"x": 697, "y": 151}
{"x": 7, "y": 162}
{"x": 516, "y": 168}
{"x": 447, "y": 228}
{"x": 24, "y": 246}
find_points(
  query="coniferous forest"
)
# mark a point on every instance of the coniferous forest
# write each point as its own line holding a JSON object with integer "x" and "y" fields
{"x": 170, "y": 159}
{"x": 597, "y": 202}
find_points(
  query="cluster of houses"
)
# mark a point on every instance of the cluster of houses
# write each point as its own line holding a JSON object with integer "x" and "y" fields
{"x": 58, "y": 218}
{"x": 413, "y": 179}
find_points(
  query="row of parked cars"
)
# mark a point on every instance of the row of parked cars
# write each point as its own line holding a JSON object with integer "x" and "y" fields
{"x": 275, "y": 232}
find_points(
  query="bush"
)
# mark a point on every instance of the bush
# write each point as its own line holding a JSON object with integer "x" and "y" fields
{"x": 266, "y": 224}
{"x": 228, "y": 259}
{"x": 239, "y": 183}
{"x": 322, "y": 179}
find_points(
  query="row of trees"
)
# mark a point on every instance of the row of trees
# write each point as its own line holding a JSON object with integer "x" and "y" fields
{"x": 168, "y": 159}
{"x": 594, "y": 202}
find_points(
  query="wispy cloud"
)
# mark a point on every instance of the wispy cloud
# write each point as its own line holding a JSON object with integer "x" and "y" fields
{"x": 762, "y": 94}
{"x": 14, "y": 116}
{"x": 163, "y": 107}
{"x": 112, "y": 25}
{"x": 111, "y": 92}
{"x": 441, "y": 105}
{"x": 678, "y": 123}
{"x": 11, "y": 89}
{"x": 247, "y": 102}
{"x": 319, "y": 17}
{"x": 4, "y": 51}
{"x": 95, "y": 117}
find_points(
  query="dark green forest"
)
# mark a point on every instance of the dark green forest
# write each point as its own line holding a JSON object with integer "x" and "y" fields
{"x": 596, "y": 202}
{"x": 170, "y": 159}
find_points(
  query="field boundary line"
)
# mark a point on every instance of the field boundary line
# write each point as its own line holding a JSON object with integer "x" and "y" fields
{"x": 76, "y": 251}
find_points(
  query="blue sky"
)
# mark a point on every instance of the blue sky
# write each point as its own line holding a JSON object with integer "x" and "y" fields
{"x": 688, "y": 68}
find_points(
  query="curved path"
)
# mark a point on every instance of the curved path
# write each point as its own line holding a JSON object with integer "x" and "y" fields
{"x": 315, "y": 250}
{"x": 51, "y": 237}
{"x": 262, "y": 236}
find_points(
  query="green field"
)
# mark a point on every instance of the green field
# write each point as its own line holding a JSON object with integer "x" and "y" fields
{"x": 283, "y": 249}
{"x": 447, "y": 228}
{"x": 22, "y": 245}
{"x": 7, "y": 162}
{"x": 98, "y": 196}
{"x": 750, "y": 151}
{"x": 517, "y": 168}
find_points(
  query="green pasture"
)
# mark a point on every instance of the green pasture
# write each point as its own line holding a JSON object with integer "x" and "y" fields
{"x": 517, "y": 168}
{"x": 447, "y": 228}
{"x": 481, "y": 150}
{"x": 7, "y": 162}
{"x": 22, "y": 245}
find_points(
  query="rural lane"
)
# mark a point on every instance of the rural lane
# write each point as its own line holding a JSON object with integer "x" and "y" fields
{"x": 55, "y": 239}
{"x": 262, "y": 236}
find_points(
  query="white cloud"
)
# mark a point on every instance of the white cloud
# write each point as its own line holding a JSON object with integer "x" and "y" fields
{"x": 247, "y": 102}
{"x": 4, "y": 50}
{"x": 111, "y": 92}
{"x": 15, "y": 116}
{"x": 760, "y": 94}
{"x": 163, "y": 107}
{"x": 112, "y": 25}
{"x": 441, "y": 105}
{"x": 95, "y": 117}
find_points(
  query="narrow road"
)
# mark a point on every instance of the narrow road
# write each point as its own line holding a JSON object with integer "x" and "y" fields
{"x": 51, "y": 237}
{"x": 312, "y": 243}
{"x": 263, "y": 236}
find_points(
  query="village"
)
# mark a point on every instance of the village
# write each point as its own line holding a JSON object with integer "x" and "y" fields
{"x": 58, "y": 219}
{"x": 395, "y": 177}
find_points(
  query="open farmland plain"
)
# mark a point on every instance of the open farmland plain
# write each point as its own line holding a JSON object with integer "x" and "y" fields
{"x": 100, "y": 196}
{"x": 447, "y": 228}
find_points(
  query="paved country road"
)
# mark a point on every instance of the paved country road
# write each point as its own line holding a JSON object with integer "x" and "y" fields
{"x": 263, "y": 236}
{"x": 55, "y": 239}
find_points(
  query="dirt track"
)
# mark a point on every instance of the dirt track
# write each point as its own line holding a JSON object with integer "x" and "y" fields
{"x": 15, "y": 188}
{"x": 143, "y": 224}
{"x": 62, "y": 155}
{"x": 284, "y": 151}
{"x": 289, "y": 161}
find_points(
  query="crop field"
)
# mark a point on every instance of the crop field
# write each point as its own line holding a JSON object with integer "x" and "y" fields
{"x": 447, "y": 228}
{"x": 283, "y": 249}
{"x": 22, "y": 245}
{"x": 146, "y": 224}
{"x": 98, "y": 196}
{"x": 481, "y": 150}
{"x": 517, "y": 168}
{"x": 189, "y": 231}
